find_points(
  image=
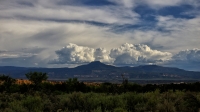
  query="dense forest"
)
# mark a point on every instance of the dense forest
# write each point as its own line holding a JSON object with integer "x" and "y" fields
{"x": 71, "y": 95}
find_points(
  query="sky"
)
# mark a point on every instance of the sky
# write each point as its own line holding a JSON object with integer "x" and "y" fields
{"x": 69, "y": 33}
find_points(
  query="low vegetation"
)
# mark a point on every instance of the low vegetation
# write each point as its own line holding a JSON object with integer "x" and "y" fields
{"x": 75, "y": 96}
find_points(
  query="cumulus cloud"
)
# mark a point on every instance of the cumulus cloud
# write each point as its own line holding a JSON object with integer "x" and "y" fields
{"x": 186, "y": 59}
{"x": 138, "y": 54}
{"x": 188, "y": 56}
{"x": 126, "y": 54}
{"x": 73, "y": 54}
{"x": 101, "y": 54}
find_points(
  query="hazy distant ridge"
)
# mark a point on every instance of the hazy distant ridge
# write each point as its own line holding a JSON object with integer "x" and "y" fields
{"x": 98, "y": 70}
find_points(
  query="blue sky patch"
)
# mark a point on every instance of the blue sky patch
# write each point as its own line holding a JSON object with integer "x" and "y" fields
{"x": 177, "y": 11}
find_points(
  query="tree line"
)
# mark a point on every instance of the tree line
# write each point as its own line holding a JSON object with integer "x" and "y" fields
{"x": 40, "y": 83}
{"x": 75, "y": 96}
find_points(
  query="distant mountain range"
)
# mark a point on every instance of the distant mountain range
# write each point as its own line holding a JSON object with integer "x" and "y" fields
{"x": 99, "y": 71}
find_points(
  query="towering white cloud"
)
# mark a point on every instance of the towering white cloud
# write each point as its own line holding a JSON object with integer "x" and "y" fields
{"x": 101, "y": 54}
{"x": 138, "y": 54}
{"x": 126, "y": 54}
{"x": 73, "y": 54}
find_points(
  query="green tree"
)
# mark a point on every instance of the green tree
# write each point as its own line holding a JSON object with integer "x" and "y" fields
{"x": 72, "y": 84}
{"x": 7, "y": 81}
{"x": 36, "y": 78}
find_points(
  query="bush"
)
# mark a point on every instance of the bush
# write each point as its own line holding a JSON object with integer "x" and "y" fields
{"x": 33, "y": 103}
